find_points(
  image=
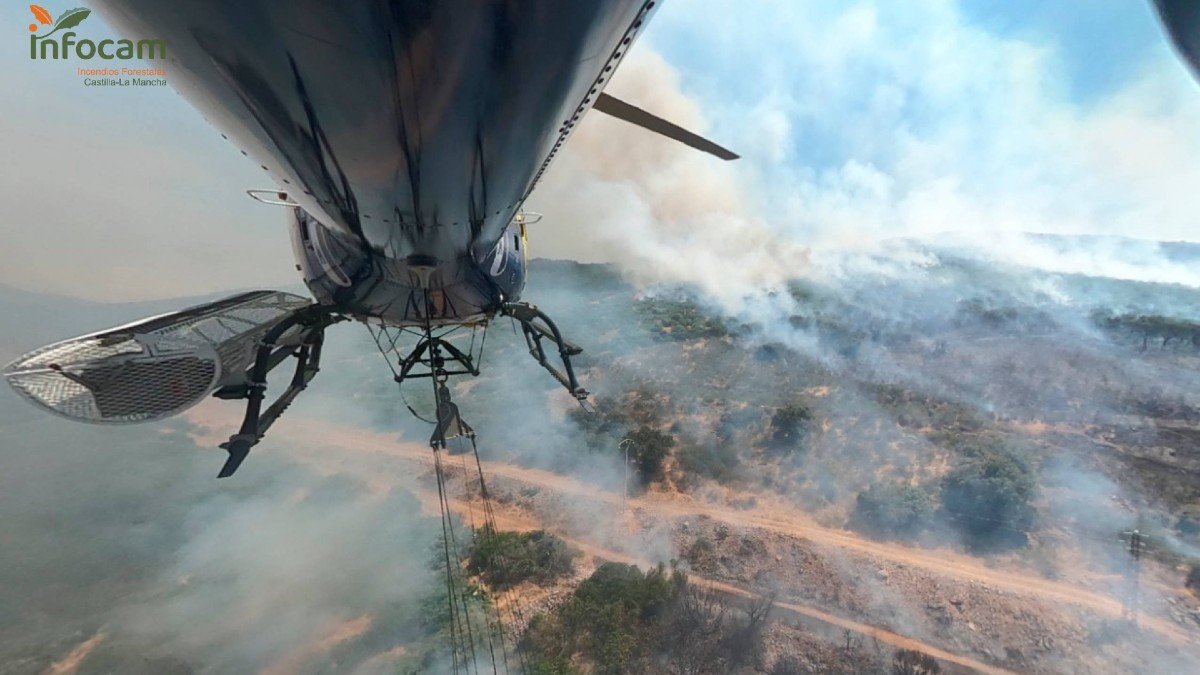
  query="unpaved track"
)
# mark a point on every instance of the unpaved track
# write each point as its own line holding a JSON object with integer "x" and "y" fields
{"x": 886, "y": 636}
{"x": 943, "y": 562}
{"x": 507, "y": 521}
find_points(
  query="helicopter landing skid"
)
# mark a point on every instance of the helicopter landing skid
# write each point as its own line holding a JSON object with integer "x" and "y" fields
{"x": 311, "y": 323}
{"x": 537, "y": 327}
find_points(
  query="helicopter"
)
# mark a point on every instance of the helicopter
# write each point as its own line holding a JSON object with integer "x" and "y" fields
{"x": 403, "y": 138}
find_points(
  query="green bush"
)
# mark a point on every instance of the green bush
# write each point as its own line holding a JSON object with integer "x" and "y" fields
{"x": 789, "y": 426}
{"x": 606, "y": 426}
{"x": 600, "y": 427}
{"x": 606, "y": 619}
{"x": 505, "y": 559}
{"x": 718, "y": 461}
{"x": 988, "y": 496}
{"x": 648, "y": 451}
{"x": 623, "y": 620}
{"x": 893, "y": 510}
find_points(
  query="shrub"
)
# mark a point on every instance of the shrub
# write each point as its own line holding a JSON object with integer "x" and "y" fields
{"x": 988, "y": 496}
{"x": 790, "y": 664}
{"x": 605, "y": 427}
{"x": 701, "y": 554}
{"x": 679, "y": 319}
{"x": 916, "y": 410}
{"x": 976, "y": 310}
{"x": 623, "y": 620}
{"x": 1188, "y": 523}
{"x": 505, "y": 559}
{"x": 893, "y": 510}
{"x": 789, "y": 426}
{"x": 718, "y": 461}
{"x": 600, "y": 428}
{"x": 912, "y": 662}
{"x": 648, "y": 450}
{"x": 606, "y": 619}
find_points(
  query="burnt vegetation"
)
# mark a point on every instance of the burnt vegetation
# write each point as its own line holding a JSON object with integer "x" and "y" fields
{"x": 986, "y": 317}
{"x": 679, "y": 319}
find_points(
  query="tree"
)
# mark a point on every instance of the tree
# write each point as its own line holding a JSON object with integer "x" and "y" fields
{"x": 1151, "y": 327}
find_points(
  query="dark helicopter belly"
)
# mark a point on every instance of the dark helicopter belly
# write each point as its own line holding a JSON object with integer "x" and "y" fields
{"x": 416, "y": 127}
{"x": 365, "y": 284}
{"x": 1182, "y": 21}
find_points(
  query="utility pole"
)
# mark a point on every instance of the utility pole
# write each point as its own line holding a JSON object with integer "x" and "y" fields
{"x": 625, "y": 496}
{"x": 1132, "y": 599}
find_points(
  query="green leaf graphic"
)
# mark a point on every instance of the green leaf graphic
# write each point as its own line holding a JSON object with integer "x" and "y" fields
{"x": 72, "y": 18}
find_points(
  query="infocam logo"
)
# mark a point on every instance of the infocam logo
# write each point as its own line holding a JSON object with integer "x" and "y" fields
{"x": 44, "y": 46}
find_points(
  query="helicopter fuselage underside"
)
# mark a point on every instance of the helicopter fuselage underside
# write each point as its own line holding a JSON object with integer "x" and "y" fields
{"x": 410, "y": 133}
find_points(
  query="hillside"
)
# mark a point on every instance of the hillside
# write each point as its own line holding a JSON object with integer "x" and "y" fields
{"x": 937, "y": 457}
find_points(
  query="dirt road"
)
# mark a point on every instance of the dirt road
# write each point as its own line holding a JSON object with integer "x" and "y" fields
{"x": 508, "y": 521}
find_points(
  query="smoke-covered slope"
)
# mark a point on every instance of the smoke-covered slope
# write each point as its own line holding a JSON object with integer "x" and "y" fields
{"x": 884, "y": 392}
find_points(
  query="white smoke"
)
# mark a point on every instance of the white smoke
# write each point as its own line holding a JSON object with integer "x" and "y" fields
{"x": 663, "y": 211}
{"x": 866, "y": 121}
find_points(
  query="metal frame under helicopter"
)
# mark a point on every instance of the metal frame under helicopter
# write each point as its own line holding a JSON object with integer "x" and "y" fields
{"x": 433, "y": 356}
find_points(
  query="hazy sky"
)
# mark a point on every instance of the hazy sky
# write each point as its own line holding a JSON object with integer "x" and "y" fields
{"x": 856, "y": 120}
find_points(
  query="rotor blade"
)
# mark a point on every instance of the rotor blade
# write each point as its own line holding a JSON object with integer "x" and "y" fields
{"x": 623, "y": 111}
